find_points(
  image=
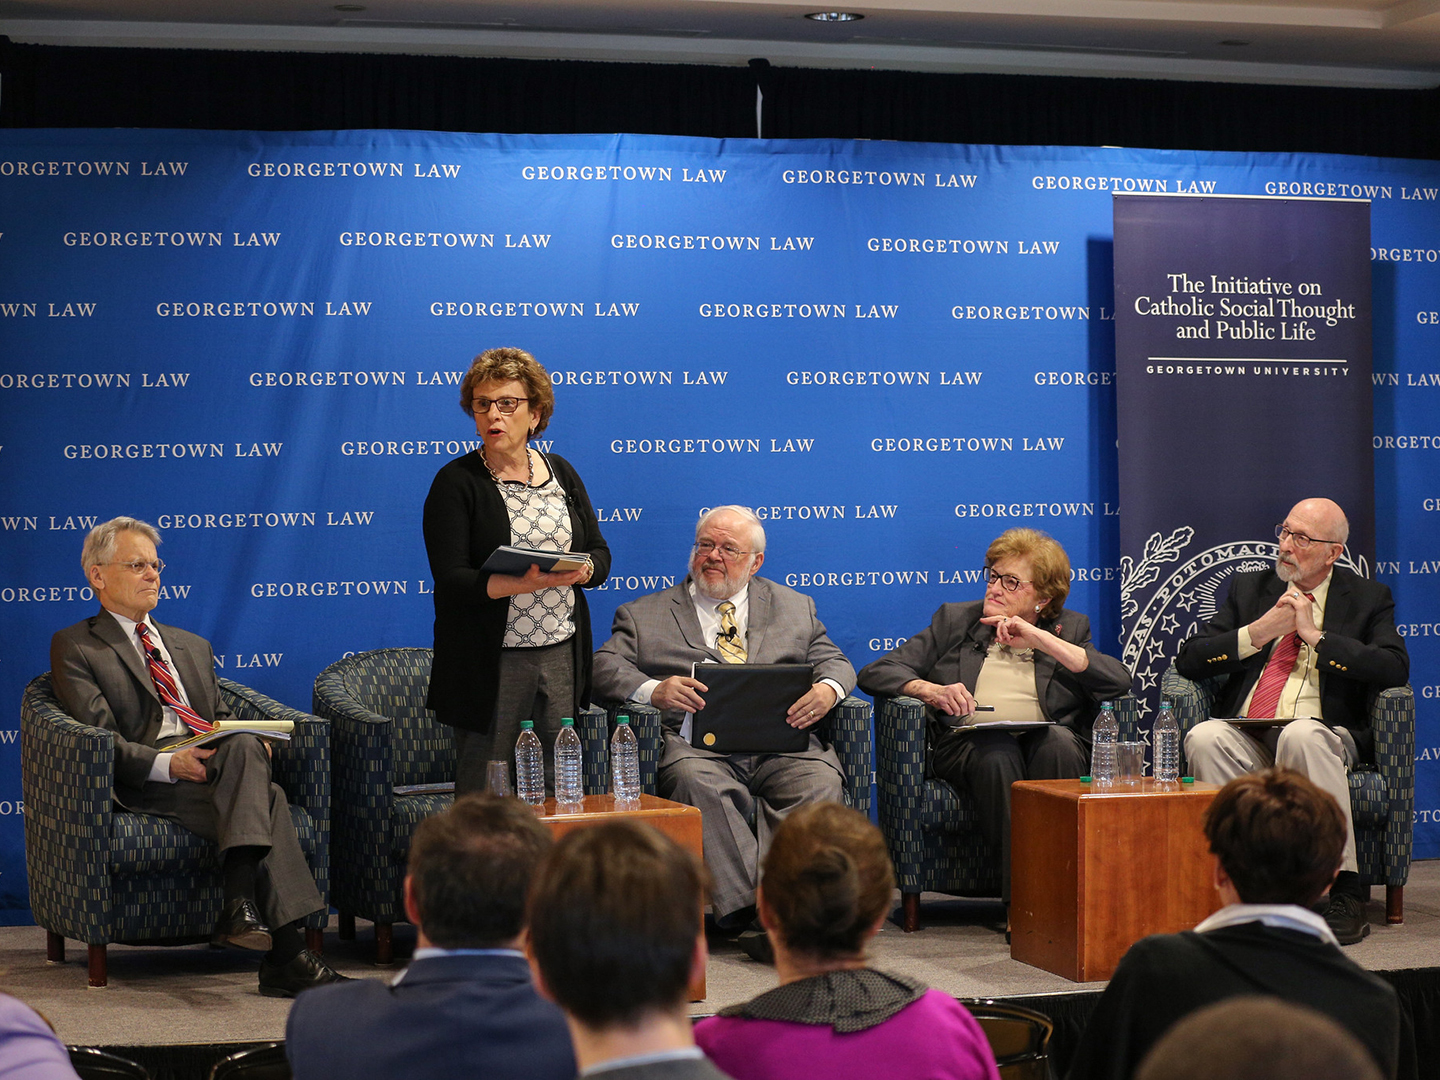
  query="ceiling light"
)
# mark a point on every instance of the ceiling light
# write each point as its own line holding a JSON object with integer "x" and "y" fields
{"x": 835, "y": 16}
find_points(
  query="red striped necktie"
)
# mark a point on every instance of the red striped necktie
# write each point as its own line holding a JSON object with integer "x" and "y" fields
{"x": 164, "y": 680}
{"x": 1266, "y": 697}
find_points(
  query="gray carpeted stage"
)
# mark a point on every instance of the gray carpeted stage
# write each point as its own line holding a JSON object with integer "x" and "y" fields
{"x": 198, "y": 995}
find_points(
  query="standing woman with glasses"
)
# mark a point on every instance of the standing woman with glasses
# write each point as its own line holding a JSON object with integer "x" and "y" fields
{"x": 508, "y": 648}
{"x": 1019, "y": 652}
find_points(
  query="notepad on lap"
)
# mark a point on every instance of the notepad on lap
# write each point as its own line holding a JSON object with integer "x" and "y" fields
{"x": 745, "y": 706}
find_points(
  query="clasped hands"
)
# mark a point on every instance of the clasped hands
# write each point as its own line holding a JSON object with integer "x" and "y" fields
{"x": 682, "y": 693}
{"x": 1292, "y": 612}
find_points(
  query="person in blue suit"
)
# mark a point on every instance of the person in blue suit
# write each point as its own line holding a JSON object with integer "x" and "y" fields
{"x": 466, "y": 1005}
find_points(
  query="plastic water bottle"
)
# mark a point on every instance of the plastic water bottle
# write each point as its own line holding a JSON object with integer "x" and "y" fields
{"x": 1165, "y": 745}
{"x": 624, "y": 762}
{"x": 529, "y": 765}
{"x": 1103, "y": 737}
{"x": 569, "y": 766}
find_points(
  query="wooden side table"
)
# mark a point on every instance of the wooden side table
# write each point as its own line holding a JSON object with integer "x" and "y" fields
{"x": 1094, "y": 869}
{"x": 676, "y": 820}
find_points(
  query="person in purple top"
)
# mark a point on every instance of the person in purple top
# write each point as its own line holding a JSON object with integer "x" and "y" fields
{"x": 29, "y": 1050}
{"x": 826, "y": 889}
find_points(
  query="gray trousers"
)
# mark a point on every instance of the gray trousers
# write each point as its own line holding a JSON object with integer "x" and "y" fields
{"x": 1219, "y": 752}
{"x": 535, "y": 684}
{"x": 730, "y": 790}
{"x": 240, "y": 807}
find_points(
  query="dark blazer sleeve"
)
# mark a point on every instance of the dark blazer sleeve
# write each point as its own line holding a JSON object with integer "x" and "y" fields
{"x": 1216, "y": 649}
{"x": 1372, "y": 652}
{"x": 1104, "y": 676}
{"x": 617, "y": 671}
{"x": 914, "y": 658}
{"x": 79, "y": 689}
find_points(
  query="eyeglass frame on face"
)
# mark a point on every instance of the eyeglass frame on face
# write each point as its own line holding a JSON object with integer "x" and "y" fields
{"x": 481, "y": 405}
{"x": 139, "y": 566}
{"x": 726, "y": 552}
{"x": 1299, "y": 539}
{"x": 991, "y": 577}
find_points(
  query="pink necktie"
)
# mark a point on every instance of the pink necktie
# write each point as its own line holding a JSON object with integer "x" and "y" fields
{"x": 164, "y": 680}
{"x": 1276, "y": 674}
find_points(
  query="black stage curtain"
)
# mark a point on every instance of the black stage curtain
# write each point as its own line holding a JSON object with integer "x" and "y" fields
{"x": 53, "y": 86}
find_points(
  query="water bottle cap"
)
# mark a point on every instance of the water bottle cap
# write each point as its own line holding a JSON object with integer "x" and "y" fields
{"x": 527, "y": 725}
{"x": 569, "y": 721}
{"x": 622, "y": 720}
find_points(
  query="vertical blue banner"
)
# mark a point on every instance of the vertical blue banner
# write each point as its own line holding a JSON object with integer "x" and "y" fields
{"x": 1243, "y": 364}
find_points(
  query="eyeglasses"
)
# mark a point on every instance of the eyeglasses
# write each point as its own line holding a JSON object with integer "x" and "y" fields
{"x": 1299, "y": 539}
{"x": 1008, "y": 582}
{"x": 506, "y": 405}
{"x": 728, "y": 552}
{"x": 139, "y": 566}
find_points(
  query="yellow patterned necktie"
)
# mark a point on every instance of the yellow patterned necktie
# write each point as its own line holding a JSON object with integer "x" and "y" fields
{"x": 727, "y": 641}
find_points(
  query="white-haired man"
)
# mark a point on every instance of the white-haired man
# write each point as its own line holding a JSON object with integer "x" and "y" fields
{"x": 154, "y": 686}
{"x": 722, "y": 612}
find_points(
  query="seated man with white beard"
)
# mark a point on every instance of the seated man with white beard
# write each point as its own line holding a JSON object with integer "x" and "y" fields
{"x": 722, "y": 612}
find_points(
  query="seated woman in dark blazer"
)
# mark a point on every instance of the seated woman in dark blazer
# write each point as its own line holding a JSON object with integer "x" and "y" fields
{"x": 1020, "y": 651}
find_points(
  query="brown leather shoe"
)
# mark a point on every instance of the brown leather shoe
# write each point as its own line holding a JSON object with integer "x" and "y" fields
{"x": 301, "y": 973}
{"x": 240, "y": 925}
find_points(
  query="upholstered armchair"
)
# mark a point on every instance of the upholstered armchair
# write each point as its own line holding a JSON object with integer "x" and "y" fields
{"x": 932, "y": 830}
{"x": 847, "y": 727}
{"x": 385, "y": 738}
{"x": 1382, "y": 795}
{"x": 99, "y": 874}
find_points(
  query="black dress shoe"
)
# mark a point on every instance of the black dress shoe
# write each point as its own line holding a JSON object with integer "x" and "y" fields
{"x": 240, "y": 925}
{"x": 301, "y": 973}
{"x": 756, "y": 945}
{"x": 1345, "y": 915}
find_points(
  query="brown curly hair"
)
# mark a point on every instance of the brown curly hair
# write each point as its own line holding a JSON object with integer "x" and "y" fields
{"x": 507, "y": 365}
{"x": 1049, "y": 565}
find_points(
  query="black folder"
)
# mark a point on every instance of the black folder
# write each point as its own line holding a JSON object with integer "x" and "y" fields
{"x": 745, "y": 708}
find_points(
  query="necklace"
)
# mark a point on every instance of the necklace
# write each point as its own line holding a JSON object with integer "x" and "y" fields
{"x": 529, "y": 480}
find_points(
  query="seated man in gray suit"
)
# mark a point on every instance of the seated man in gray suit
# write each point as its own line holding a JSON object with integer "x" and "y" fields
{"x": 465, "y": 1007}
{"x": 616, "y": 942}
{"x": 153, "y": 686}
{"x": 723, "y": 612}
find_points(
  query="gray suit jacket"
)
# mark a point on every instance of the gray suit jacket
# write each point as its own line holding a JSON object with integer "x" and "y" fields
{"x": 101, "y": 681}
{"x": 658, "y": 635}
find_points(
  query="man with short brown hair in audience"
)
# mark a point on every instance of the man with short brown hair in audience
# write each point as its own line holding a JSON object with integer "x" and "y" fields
{"x": 465, "y": 1007}
{"x": 1277, "y": 842}
{"x": 616, "y": 940}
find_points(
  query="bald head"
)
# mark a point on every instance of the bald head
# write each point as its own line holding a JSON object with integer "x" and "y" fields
{"x": 1326, "y": 516}
{"x": 1314, "y": 536}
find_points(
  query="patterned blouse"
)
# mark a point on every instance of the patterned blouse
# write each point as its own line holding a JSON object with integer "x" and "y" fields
{"x": 539, "y": 519}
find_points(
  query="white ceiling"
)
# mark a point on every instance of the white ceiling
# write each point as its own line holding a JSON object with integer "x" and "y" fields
{"x": 1377, "y": 43}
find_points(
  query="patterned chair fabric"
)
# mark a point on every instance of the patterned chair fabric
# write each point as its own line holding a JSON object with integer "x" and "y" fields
{"x": 99, "y": 874}
{"x": 384, "y": 737}
{"x": 1382, "y": 796}
{"x": 847, "y": 727}
{"x": 932, "y": 830}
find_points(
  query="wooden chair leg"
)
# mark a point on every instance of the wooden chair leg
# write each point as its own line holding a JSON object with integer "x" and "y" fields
{"x": 315, "y": 940}
{"x": 911, "y": 903}
{"x": 1394, "y": 903}
{"x": 54, "y": 947}
{"x": 99, "y": 974}
{"x": 347, "y": 926}
{"x": 384, "y": 944}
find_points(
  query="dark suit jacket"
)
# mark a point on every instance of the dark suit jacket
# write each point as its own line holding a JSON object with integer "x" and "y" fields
{"x": 658, "y": 635}
{"x": 448, "y": 1016}
{"x": 465, "y": 521}
{"x": 952, "y": 649}
{"x": 1362, "y": 652}
{"x": 101, "y": 681}
{"x": 1164, "y": 978}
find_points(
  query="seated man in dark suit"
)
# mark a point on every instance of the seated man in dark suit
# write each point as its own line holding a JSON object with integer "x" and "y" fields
{"x": 616, "y": 941}
{"x": 1311, "y": 642}
{"x": 154, "y": 686}
{"x": 1277, "y": 841}
{"x": 465, "y": 1007}
{"x": 722, "y": 612}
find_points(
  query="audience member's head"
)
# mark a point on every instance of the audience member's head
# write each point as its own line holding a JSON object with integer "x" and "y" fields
{"x": 827, "y": 882}
{"x": 1277, "y": 836}
{"x": 615, "y": 930}
{"x": 1258, "y": 1038}
{"x": 470, "y": 872}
